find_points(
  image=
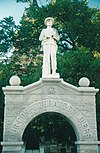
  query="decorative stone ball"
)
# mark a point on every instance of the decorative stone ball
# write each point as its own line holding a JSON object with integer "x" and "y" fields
{"x": 14, "y": 81}
{"x": 84, "y": 82}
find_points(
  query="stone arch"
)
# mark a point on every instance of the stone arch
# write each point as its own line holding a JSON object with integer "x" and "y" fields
{"x": 60, "y": 135}
{"x": 48, "y": 104}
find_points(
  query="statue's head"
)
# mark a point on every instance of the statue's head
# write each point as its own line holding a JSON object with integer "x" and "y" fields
{"x": 49, "y": 21}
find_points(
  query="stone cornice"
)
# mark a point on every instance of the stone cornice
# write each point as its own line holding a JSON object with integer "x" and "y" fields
{"x": 42, "y": 82}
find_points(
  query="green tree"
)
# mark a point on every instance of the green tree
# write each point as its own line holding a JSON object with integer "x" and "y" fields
{"x": 7, "y": 28}
{"x": 74, "y": 21}
{"x": 74, "y": 64}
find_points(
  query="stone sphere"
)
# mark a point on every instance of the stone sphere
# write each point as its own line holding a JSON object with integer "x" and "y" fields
{"x": 84, "y": 82}
{"x": 14, "y": 81}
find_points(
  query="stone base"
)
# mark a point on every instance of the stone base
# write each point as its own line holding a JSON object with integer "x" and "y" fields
{"x": 55, "y": 75}
{"x": 87, "y": 146}
{"x": 12, "y": 147}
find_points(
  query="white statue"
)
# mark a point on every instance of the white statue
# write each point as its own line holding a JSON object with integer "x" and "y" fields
{"x": 49, "y": 38}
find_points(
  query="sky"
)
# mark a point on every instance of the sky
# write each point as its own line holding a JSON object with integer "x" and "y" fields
{"x": 94, "y": 3}
{"x": 11, "y": 8}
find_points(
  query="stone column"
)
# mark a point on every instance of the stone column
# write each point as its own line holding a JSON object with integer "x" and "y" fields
{"x": 41, "y": 148}
{"x": 12, "y": 147}
{"x": 87, "y": 146}
{"x": 13, "y": 98}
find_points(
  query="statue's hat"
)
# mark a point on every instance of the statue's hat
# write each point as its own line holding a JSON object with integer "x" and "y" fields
{"x": 49, "y": 18}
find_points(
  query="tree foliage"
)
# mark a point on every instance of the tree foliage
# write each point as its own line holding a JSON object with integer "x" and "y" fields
{"x": 76, "y": 23}
{"x": 7, "y": 28}
{"x": 75, "y": 64}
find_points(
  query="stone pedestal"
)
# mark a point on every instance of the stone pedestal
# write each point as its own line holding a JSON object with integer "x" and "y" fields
{"x": 54, "y": 76}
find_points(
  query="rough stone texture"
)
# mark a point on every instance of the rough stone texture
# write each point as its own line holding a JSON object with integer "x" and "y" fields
{"x": 22, "y": 104}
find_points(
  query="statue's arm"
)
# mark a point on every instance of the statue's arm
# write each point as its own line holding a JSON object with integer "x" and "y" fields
{"x": 41, "y": 37}
{"x": 56, "y": 35}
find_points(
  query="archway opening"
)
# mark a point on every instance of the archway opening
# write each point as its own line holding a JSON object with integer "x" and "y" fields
{"x": 49, "y": 132}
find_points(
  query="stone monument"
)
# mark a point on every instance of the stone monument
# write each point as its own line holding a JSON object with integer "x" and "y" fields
{"x": 50, "y": 94}
{"x": 49, "y": 37}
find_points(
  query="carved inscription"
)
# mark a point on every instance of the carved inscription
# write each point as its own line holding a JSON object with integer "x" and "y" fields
{"x": 47, "y": 105}
{"x": 51, "y": 90}
{"x": 18, "y": 122}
